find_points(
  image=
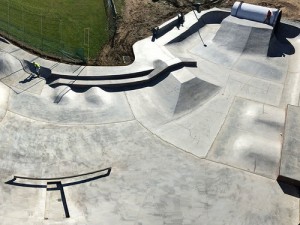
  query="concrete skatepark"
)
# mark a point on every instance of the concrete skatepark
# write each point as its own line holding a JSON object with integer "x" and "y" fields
{"x": 187, "y": 134}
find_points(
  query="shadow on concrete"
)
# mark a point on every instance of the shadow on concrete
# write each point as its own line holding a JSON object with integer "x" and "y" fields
{"x": 289, "y": 189}
{"x": 28, "y": 79}
{"x": 214, "y": 17}
{"x": 59, "y": 187}
{"x": 14, "y": 183}
{"x": 29, "y": 86}
{"x": 160, "y": 31}
{"x": 279, "y": 44}
{"x": 61, "y": 95}
{"x": 163, "y": 74}
{"x": 89, "y": 179}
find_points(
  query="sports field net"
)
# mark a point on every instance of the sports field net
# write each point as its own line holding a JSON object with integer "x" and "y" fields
{"x": 76, "y": 38}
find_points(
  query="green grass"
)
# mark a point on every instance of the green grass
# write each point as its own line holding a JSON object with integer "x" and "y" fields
{"x": 56, "y": 27}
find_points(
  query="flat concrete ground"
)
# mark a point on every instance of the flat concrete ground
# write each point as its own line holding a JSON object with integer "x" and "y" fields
{"x": 161, "y": 154}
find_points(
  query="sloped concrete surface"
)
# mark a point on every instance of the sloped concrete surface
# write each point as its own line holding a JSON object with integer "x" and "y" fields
{"x": 289, "y": 168}
{"x": 61, "y": 108}
{"x": 172, "y": 187}
{"x": 197, "y": 145}
{"x": 250, "y": 138}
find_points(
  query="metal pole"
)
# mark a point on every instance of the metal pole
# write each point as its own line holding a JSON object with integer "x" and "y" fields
{"x": 88, "y": 44}
{"x": 87, "y": 41}
{"x": 23, "y": 23}
{"x": 198, "y": 30}
{"x": 60, "y": 38}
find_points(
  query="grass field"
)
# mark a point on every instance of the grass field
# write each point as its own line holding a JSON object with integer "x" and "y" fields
{"x": 65, "y": 28}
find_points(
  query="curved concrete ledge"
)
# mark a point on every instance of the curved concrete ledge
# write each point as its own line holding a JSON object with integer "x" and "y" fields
{"x": 120, "y": 73}
{"x": 160, "y": 68}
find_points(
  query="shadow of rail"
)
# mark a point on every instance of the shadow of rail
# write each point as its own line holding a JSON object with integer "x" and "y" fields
{"x": 212, "y": 17}
{"x": 95, "y": 175}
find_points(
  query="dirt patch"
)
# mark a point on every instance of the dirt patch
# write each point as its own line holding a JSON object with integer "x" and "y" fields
{"x": 136, "y": 22}
{"x": 290, "y": 8}
{"x": 140, "y": 16}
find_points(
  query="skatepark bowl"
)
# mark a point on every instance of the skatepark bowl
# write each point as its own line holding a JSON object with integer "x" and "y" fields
{"x": 186, "y": 134}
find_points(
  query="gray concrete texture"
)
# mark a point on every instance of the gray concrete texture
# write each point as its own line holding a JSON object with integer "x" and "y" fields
{"x": 289, "y": 170}
{"x": 195, "y": 145}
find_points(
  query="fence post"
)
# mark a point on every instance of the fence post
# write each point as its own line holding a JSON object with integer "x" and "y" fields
{"x": 23, "y": 23}
{"x": 87, "y": 41}
{"x": 42, "y": 32}
{"x": 8, "y": 2}
{"x": 61, "y": 39}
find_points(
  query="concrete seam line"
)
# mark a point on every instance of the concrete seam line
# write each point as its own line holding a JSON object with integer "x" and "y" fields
{"x": 130, "y": 107}
{"x": 237, "y": 168}
{"x": 68, "y": 125}
{"x": 205, "y": 157}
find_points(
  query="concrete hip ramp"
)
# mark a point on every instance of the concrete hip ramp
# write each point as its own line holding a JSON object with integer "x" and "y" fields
{"x": 243, "y": 38}
{"x": 234, "y": 38}
{"x": 180, "y": 93}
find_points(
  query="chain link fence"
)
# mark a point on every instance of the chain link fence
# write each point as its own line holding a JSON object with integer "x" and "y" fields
{"x": 111, "y": 13}
{"x": 49, "y": 34}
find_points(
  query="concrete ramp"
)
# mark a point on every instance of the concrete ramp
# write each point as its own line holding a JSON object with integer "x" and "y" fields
{"x": 92, "y": 98}
{"x": 258, "y": 41}
{"x": 65, "y": 106}
{"x": 234, "y": 38}
{"x": 182, "y": 91}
